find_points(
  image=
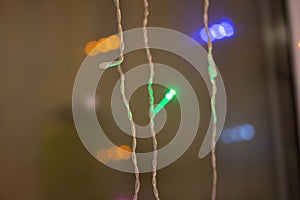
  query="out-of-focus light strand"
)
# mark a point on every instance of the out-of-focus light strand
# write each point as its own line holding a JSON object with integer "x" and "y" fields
{"x": 114, "y": 153}
{"x": 238, "y": 134}
{"x": 220, "y": 31}
{"x": 103, "y": 45}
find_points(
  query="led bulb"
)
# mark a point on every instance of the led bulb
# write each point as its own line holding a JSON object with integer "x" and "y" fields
{"x": 170, "y": 94}
{"x": 228, "y": 29}
{"x": 168, "y": 97}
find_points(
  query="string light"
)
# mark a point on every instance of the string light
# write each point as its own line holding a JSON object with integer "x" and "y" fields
{"x": 90, "y": 48}
{"x": 212, "y": 74}
{"x": 126, "y": 103}
{"x": 217, "y": 31}
{"x": 113, "y": 42}
{"x": 124, "y": 152}
{"x": 227, "y": 28}
{"x": 220, "y": 31}
{"x": 168, "y": 97}
{"x": 114, "y": 153}
{"x": 103, "y": 45}
{"x": 203, "y": 36}
{"x": 106, "y": 65}
{"x": 151, "y": 99}
{"x": 238, "y": 134}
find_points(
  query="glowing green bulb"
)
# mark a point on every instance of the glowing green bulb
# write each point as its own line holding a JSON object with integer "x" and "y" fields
{"x": 170, "y": 94}
{"x": 168, "y": 97}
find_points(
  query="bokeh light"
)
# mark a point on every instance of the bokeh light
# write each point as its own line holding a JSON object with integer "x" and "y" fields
{"x": 238, "y": 134}
{"x": 247, "y": 132}
{"x": 220, "y": 31}
{"x": 102, "y": 156}
{"x": 113, "y": 42}
{"x": 203, "y": 35}
{"x": 216, "y": 33}
{"x": 114, "y": 153}
{"x": 299, "y": 44}
{"x": 90, "y": 48}
{"x": 103, "y": 45}
{"x": 227, "y": 29}
{"x": 124, "y": 152}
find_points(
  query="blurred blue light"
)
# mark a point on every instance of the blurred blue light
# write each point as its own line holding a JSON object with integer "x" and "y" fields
{"x": 247, "y": 132}
{"x": 235, "y": 134}
{"x": 238, "y": 134}
{"x": 220, "y": 31}
{"x": 215, "y": 31}
{"x": 226, "y": 136}
{"x": 228, "y": 29}
{"x": 203, "y": 35}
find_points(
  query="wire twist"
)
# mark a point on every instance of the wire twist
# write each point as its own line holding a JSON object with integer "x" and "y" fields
{"x": 125, "y": 101}
{"x": 212, "y": 74}
{"x": 151, "y": 99}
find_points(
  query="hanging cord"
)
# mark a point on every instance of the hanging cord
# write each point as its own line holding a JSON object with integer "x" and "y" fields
{"x": 151, "y": 100}
{"x": 125, "y": 101}
{"x": 212, "y": 74}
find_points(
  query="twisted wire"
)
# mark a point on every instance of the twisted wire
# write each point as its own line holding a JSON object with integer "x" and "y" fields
{"x": 213, "y": 152}
{"x": 151, "y": 99}
{"x": 212, "y": 74}
{"x": 125, "y": 101}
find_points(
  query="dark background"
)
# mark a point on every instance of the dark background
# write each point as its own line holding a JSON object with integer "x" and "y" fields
{"x": 42, "y": 47}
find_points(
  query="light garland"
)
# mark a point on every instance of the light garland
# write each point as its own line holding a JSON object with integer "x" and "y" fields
{"x": 151, "y": 99}
{"x": 212, "y": 74}
{"x": 125, "y": 101}
{"x": 167, "y": 98}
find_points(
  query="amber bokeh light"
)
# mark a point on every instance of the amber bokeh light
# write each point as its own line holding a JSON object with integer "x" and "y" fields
{"x": 103, "y": 45}
{"x": 90, "y": 48}
{"x": 115, "y": 153}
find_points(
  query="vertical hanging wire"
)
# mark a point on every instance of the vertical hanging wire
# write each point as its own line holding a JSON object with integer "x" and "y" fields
{"x": 125, "y": 101}
{"x": 151, "y": 99}
{"x": 212, "y": 74}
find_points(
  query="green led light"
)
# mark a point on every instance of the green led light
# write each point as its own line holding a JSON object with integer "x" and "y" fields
{"x": 168, "y": 97}
{"x": 170, "y": 94}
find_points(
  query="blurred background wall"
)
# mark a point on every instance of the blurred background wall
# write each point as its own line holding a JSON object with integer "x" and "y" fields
{"x": 42, "y": 47}
{"x": 293, "y": 14}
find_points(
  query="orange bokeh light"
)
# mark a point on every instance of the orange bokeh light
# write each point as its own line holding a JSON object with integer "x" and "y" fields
{"x": 124, "y": 152}
{"x": 112, "y": 153}
{"x": 113, "y": 42}
{"x": 102, "y": 46}
{"x": 90, "y": 48}
{"x": 102, "y": 155}
{"x": 299, "y": 44}
{"x": 115, "y": 153}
